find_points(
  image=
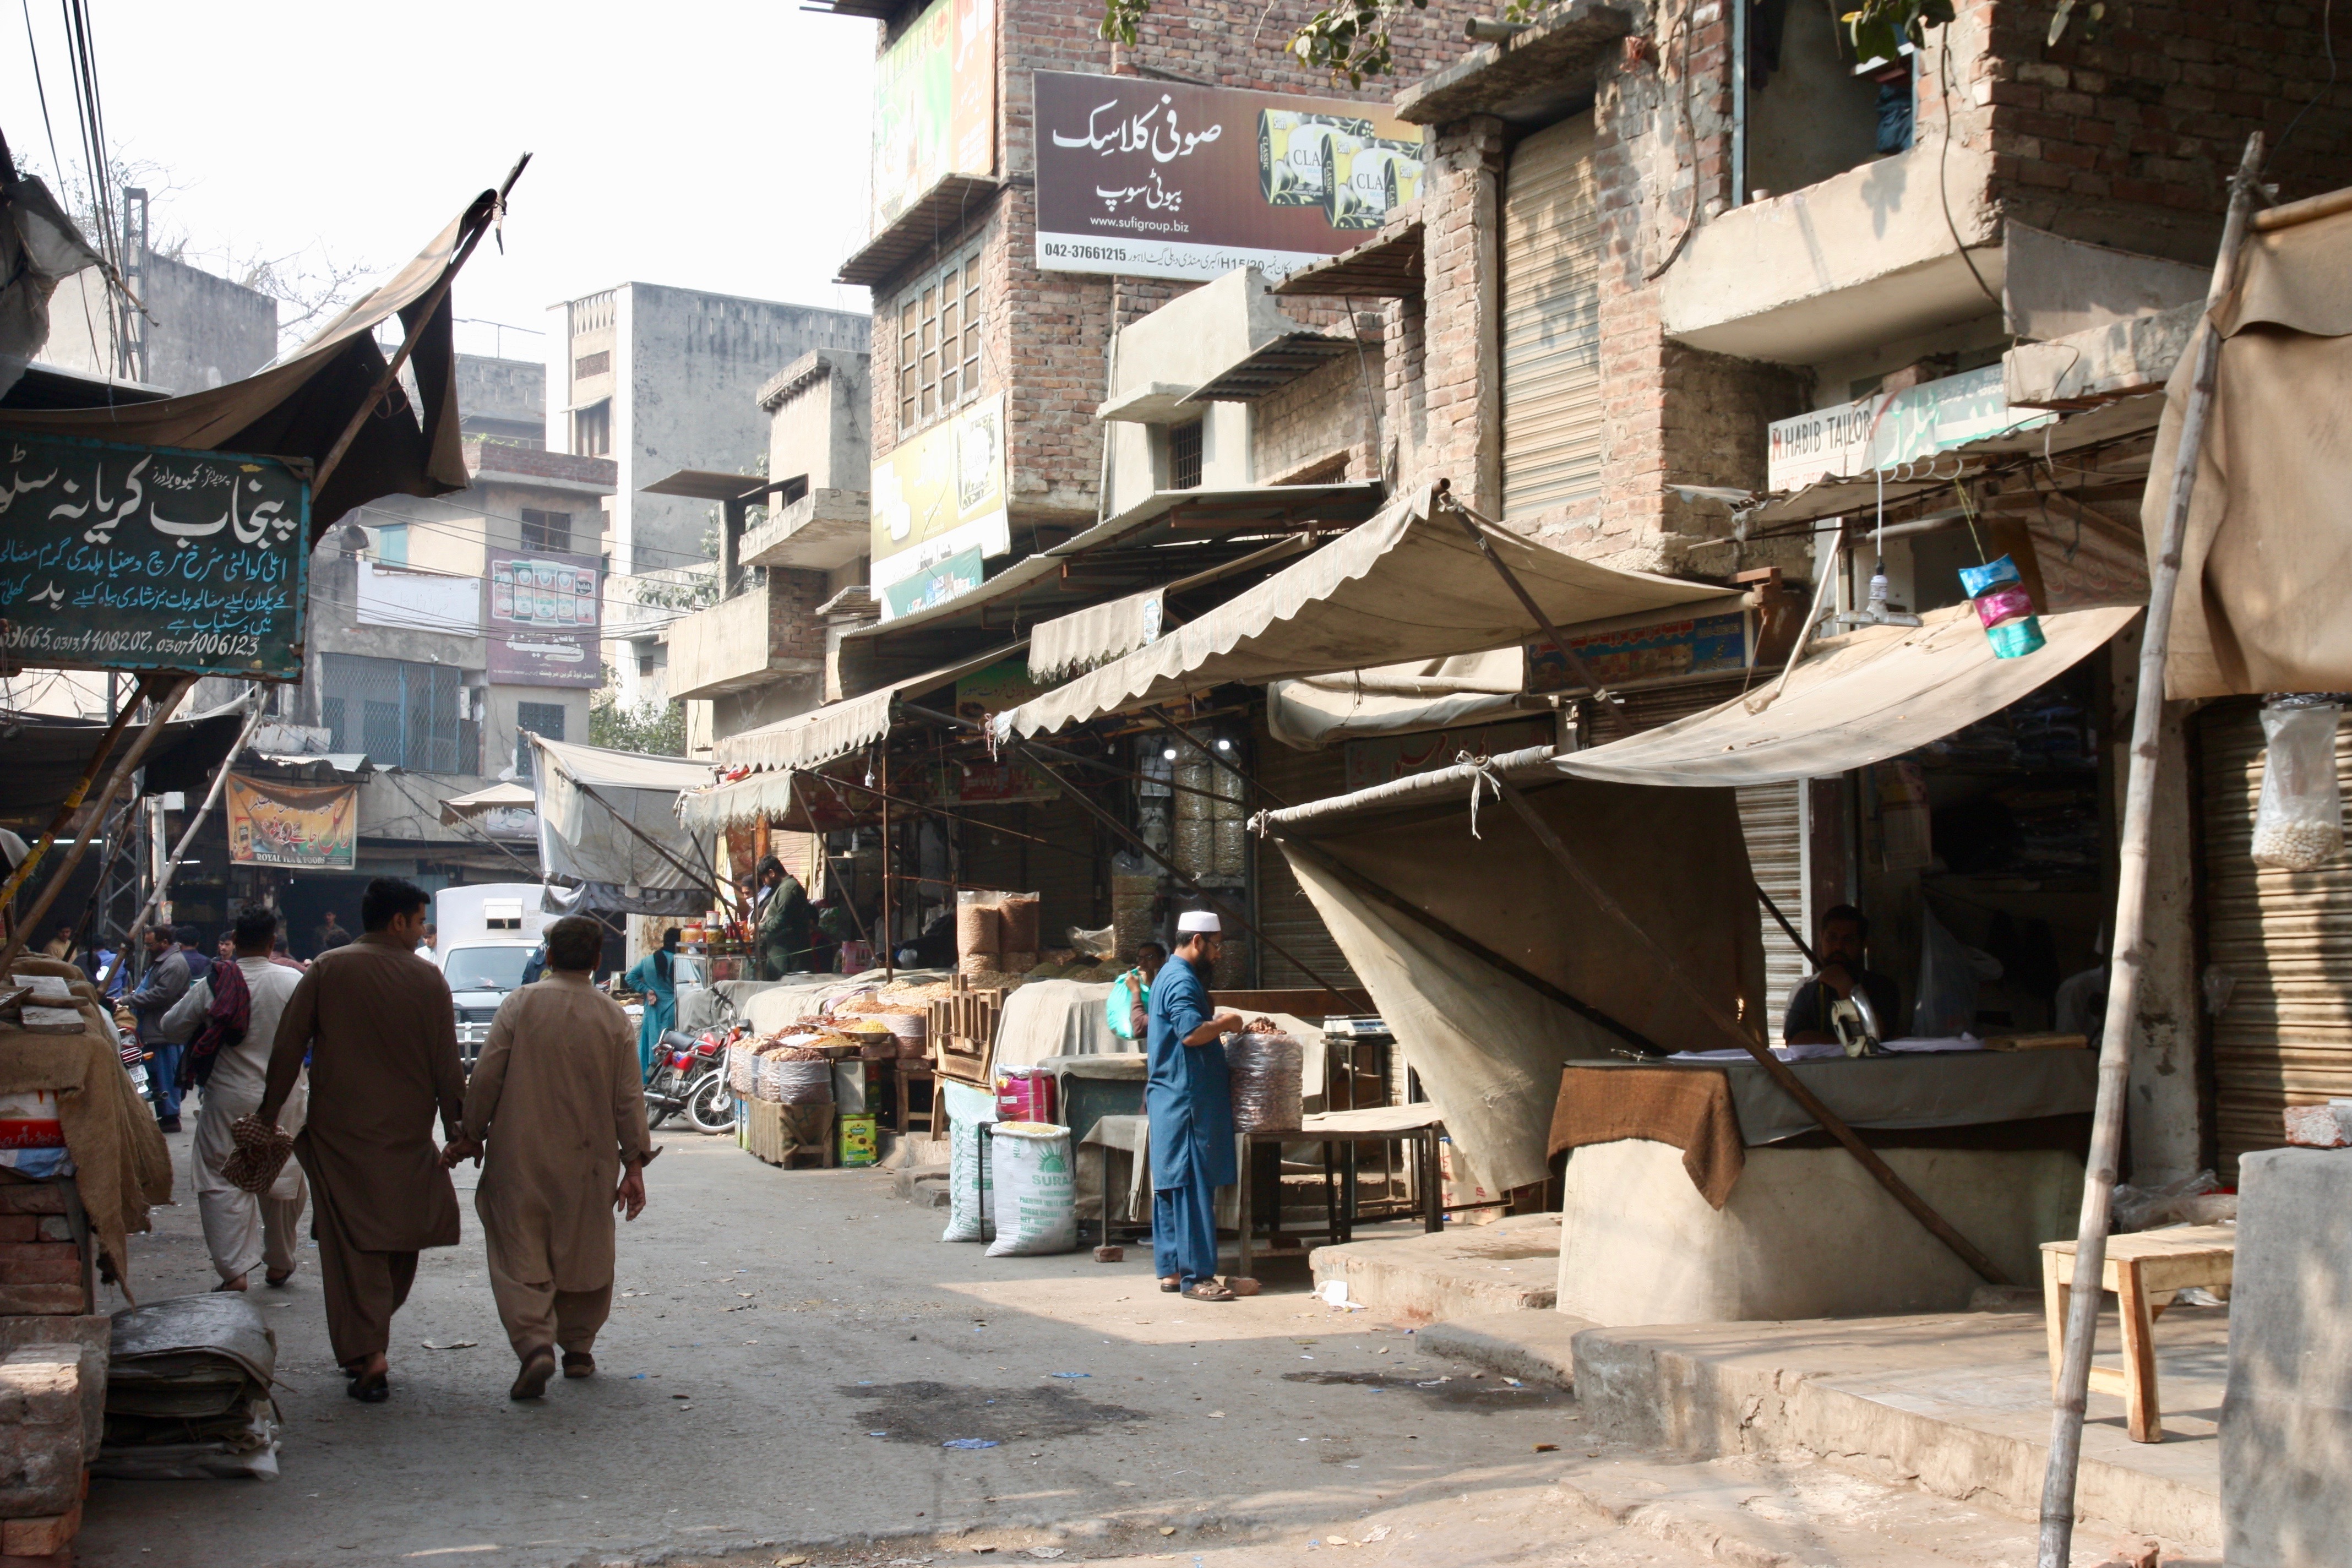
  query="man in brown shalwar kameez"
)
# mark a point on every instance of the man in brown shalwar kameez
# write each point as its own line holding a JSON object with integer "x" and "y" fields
{"x": 381, "y": 1035}
{"x": 557, "y": 1098}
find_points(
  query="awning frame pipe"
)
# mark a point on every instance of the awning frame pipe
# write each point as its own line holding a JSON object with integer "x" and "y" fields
{"x": 2071, "y": 1400}
{"x": 197, "y": 819}
{"x": 1442, "y": 494}
{"x": 63, "y": 818}
{"x": 1774, "y": 1067}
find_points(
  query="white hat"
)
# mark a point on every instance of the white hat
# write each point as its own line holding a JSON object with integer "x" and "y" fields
{"x": 1198, "y": 920}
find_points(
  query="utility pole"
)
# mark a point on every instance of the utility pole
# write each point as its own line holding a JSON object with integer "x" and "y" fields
{"x": 131, "y": 342}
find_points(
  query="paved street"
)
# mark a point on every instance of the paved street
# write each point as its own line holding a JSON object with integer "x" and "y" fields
{"x": 791, "y": 1351}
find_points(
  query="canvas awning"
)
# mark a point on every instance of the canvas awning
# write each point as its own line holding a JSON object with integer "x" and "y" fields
{"x": 299, "y": 406}
{"x": 2269, "y": 546}
{"x": 1491, "y": 913}
{"x": 608, "y": 829}
{"x": 46, "y": 754}
{"x": 39, "y": 247}
{"x": 1408, "y": 584}
{"x": 460, "y": 809}
{"x": 1401, "y": 698}
{"x": 804, "y": 740}
{"x": 1857, "y": 700}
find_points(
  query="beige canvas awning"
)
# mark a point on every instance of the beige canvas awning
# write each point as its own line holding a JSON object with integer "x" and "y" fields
{"x": 1408, "y": 584}
{"x": 1859, "y": 699}
{"x": 1401, "y": 698}
{"x": 299, "y": 406}
{"x": 463, "y": 809}
{"x": 2268, "y": 546}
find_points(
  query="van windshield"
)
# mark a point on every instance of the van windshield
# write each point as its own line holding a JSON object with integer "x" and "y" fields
{"x": 484, "y": 968}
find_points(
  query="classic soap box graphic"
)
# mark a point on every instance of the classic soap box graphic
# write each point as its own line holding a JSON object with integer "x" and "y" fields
{"x": 1336, "y": 162}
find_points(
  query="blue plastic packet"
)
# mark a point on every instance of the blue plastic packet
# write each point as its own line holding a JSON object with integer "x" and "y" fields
{"x": 2013, "y": 639}
{"x": 1978, "y": 581}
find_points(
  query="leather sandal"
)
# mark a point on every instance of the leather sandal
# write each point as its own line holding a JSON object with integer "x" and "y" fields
{"x": 276, "y": 1280}
{"x": 531, "y": 1382}
{"x": 1209, "y": 1291}
{"x": 370, "y": 1389}
{"x": 578, "y": 1363}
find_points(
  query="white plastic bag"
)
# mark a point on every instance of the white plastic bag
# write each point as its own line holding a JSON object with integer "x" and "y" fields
{"x": 2299, "y": 823}
{"x": 1036, "y": 1193}
{"x": 969, "y": 1187}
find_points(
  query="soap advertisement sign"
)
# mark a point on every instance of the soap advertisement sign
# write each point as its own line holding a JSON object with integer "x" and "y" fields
{"x": 542, "y": 618}
{"x": 939, "y": 511}
{"x": 1159, "y": 179}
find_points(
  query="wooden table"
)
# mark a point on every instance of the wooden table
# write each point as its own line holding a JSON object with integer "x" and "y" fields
{"x": 1418, "y": 1125}
{"x": 2140, "y": 1267}
{"x": 905, "y": 1072}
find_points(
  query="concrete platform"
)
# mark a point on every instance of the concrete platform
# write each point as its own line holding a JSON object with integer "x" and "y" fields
{"x": 1510, "y": 1266}
{"x": 1957, "y": 1404}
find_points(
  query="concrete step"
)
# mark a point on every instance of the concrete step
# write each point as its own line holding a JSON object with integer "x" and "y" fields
{"x": 1510, "y": 1266}
{"x": 1538, "y": 1346}
{"x": 1756, "y": 1512}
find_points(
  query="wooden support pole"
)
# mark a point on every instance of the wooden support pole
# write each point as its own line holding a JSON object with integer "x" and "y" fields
{"x": 63, "y": 816}
{"x": 890, "y": 931}
{"x": 167, "y": 700}
{"x": 195, "y": 820}
{"x": 2131, "y": 957}
{"x": 1774, "y": 1067}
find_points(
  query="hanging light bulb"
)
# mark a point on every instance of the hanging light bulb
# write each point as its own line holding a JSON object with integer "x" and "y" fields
{"x": 1169, "y": 755}
{"x": 1878, "y": 591}
{"x": 1224, "y": 744}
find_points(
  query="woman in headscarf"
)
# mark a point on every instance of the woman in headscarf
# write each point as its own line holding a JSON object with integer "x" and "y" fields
{"x": 655, "y": 977}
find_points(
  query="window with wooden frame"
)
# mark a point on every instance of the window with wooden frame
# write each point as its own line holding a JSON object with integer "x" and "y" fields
{"x": 939, "y": 325}
{"x": 549, "y": 530}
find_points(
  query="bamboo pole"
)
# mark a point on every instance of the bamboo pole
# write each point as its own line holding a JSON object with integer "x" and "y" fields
{"x": 2071, "y": 1400}
{"x": 167, "y": 700}
{"x": 1774, "y": 1067}
{"x": 889, "y": 932}
{"x": 63, "y": 816}
{"x": 195, "y": 820}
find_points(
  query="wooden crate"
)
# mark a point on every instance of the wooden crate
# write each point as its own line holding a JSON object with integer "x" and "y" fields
{"x": 963, "y": 1032}
{"x": 791, "y": 1134}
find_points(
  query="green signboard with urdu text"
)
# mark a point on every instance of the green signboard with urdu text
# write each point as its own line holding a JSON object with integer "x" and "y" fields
{"x": 119, "y": 557}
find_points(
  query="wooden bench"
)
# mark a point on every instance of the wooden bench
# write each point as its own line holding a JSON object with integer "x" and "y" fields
{"x": 2141, "y": 1267}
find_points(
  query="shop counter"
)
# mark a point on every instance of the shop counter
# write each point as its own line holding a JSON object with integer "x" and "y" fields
{"x": 1699, "y": 1192}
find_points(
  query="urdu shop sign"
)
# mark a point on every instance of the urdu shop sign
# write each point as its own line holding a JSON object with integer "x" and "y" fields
{"x": 121, "y": 557}
{"x": 1893, "y": 428}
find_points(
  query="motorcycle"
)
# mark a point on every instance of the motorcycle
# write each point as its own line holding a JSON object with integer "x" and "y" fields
{"x": 691, "y": 1076}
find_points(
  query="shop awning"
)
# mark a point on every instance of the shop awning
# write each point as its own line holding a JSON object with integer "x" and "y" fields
{"x": 1461, "y": 926}
{"x": 1401, "y": 698}
{"x": 299, "y": 406}
{"x": 2268, "y": 546}
{"x": 46, "y": 754}
{"x": 1406, "y": 585}
{"x": 608, "y": 828}
{"x": 1859, "y": 699}
{"x": 460, "y": 809}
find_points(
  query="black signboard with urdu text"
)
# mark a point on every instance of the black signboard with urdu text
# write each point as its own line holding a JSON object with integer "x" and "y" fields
{"x": 121, "y": 557}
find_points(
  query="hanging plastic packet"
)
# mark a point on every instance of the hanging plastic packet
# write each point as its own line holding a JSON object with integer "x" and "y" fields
{"x": 2004, "y": 607}
{"x": 2299, "y": 818}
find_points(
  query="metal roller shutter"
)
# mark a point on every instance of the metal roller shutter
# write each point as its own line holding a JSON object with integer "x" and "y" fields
{"x": 1551, "y": 320}
{"x": 1284, "y": 910}
{"x": 2283, "y": 938}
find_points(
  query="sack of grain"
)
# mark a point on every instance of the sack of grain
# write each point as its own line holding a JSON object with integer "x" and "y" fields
{"x": 1035, "y": 1201}
{"x": 978, "y": 929}
{"x": 1231, "y": 856}
{"x": 742, "y": 1069}
{"x": 1265, "y": 1076}
{"x": 970, "y": 1189}
{"x": 803, "y": 1082}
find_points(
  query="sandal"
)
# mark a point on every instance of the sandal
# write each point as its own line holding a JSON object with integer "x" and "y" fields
{"x": 370, "y": 1389}
{"x": 531, "y": 1382}
{"x": 276, "y": 1281}
{"x": 1209, "y": 1291}
{"x": 1171, "y": 1284}
{"x": 578, "y": 1363}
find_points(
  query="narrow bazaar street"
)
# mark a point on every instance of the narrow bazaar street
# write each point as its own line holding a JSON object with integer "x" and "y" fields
{"x": 792, "y": 1351}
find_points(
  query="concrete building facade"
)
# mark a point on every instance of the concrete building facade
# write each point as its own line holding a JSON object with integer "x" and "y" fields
{"x": 205, "y": 330}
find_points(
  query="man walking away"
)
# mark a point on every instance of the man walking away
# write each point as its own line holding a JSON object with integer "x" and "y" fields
{"x": 1190, "y": 1097}
{"x": 167, "y": 980}
{"x": 557, "y": 1099}
{"x": 382, "y": 1034}
{"x": 243, "y": 1228}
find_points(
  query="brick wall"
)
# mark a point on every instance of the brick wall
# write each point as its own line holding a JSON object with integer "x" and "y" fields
{"x": 794, "y": 630}
{"x": 2125, "y": 132}
{"x": 41, "y": 1269}
{"x": 1325, "y": 415}
{"x": 1047, "y": 335}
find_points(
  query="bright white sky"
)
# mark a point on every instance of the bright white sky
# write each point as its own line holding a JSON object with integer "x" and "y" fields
{"x": 717, "y": 144}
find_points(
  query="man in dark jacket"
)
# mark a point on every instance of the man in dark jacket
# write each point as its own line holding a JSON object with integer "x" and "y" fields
{"x": 783, "y": 930}
{"x": 167, "y": 980}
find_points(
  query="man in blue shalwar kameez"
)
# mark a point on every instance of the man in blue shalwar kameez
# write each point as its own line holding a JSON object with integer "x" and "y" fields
{"x": 1188, "y": 1098}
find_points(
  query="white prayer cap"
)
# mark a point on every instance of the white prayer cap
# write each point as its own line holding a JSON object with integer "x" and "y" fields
{"x": 1198, "y": 920}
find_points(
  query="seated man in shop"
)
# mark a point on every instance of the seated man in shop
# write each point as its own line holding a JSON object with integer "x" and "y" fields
{"x": 1842, "y": 932}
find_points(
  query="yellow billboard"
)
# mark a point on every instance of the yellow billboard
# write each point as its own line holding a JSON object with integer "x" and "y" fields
{"x": 939, "y": 502}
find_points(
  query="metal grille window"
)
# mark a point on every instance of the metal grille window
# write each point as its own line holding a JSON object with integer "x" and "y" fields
{"x": 938, "y": 342}
{"x": 550, "y": 531}
{"x": 542, "y": 719}
{"x": 597, "y": 364}
{"x": 401, "y": 714}
{"x": 1184, "y": 457}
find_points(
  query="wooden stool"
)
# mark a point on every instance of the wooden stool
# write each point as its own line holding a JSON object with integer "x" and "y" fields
{"x": 2139, "y": 1266}
{"x": 908, "y": 1071}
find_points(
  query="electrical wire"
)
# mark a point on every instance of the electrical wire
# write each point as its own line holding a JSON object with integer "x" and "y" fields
{"x": 1943, "y": 160}
{"x": 2327, "y": 42}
